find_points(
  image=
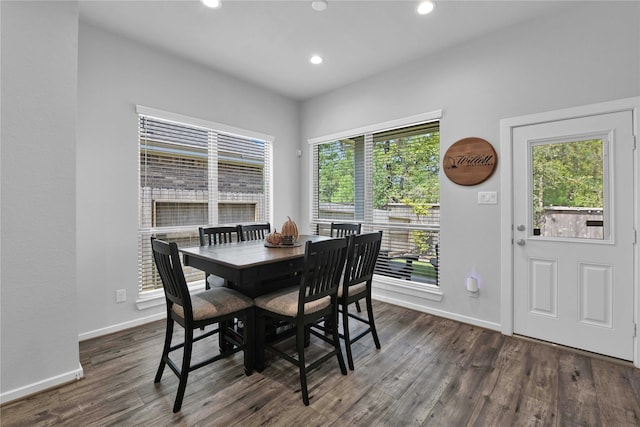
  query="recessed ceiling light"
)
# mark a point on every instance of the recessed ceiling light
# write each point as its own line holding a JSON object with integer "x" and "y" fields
{"x": 319, "y": 5}
{"x": 213, "y": 4}
{"x": 316, "y": 59}
{"x": 425, "y": 7}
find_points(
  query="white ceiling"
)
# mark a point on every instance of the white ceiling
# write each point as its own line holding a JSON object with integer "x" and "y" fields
{"x": 269, "y": 42}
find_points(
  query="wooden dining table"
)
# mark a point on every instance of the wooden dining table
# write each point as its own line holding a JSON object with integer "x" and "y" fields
{"x": 250, "y": 267}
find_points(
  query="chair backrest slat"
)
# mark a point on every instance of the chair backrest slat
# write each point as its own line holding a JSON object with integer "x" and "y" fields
{"x": 254, "y": 231}
{"x": 323, "y": 265}
{"x": 361, "y": 257}
{"x": 219, "y": 234}
{"x": 345, "y": 229}
{"x": 169, "y": 267}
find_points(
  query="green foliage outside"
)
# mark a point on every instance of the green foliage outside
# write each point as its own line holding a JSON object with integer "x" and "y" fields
{"x": 420, "y": 268}
{"x": 405, "y": 171}
{"x": 567, "y": 174}
{"x": 336, "y": 173}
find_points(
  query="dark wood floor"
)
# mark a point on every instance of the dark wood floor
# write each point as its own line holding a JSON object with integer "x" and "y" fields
{"x": 430, "y": 371}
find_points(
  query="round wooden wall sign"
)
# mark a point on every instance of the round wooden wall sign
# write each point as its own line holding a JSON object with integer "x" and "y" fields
{"x": 470, "y": 161}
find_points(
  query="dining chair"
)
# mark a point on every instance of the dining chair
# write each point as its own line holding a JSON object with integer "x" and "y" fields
{"x": 254, "y": 231}
{"x": 345, "y": 229}
{"x": 195, "y": 312}
{"x": 303, "y": 305}
{"x": 356, "y": 285}
{"x": 435, "y": 262}
{"x": 216, "y": 235}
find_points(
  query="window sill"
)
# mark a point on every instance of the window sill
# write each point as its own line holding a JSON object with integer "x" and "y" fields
{"x": 405, "y": 287}
{"x": 150, "y": 299}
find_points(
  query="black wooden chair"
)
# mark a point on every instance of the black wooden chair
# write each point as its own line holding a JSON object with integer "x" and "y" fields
{"x": 217, "y": 235}
{"x": 345, "y": 229}
{"x": 254, "y": 231}
{"x": 195, "y": 312}
{"x": 304, "y": 305}
{"x": 356, "y": 285}
{"x": 435, "y": 262}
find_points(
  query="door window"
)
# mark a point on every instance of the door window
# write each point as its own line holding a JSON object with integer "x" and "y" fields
{"x": 569, "y": 189}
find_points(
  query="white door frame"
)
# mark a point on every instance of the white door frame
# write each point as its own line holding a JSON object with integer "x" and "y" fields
{"x": 506, "y": 208}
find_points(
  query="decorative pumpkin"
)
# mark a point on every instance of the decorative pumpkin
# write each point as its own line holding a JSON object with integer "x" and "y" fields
{"x": 274, "y": 238}
{"x": 290, "y": 228}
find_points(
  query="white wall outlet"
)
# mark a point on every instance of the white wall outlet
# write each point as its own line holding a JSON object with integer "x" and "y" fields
{"x": 487, "y": 197}
{"x": 121, "y": 295}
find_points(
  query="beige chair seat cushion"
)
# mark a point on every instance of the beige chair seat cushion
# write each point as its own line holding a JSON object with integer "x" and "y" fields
{"x": 214, "y": 303}
{"x": 285, "y": 302}
{"x": 353, "y": 289}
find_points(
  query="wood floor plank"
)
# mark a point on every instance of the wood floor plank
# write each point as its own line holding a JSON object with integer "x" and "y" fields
{"x": 429, "y": 371}
{"x": 538, "y": 400}
{"x": 415, "y": 357}
{"x": 577, "y": 395}
{"x": 466, "y": 382}
{"x": 505, "y": 387}
{"x": 617, "y": 406}
{"x": 367, "y": 410}
{"x": 533, "y": 412}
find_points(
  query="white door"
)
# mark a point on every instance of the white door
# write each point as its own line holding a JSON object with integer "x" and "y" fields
{"x": 574, "y": 234}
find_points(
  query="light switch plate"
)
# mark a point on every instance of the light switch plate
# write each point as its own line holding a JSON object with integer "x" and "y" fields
{"x": 487, "y": 197}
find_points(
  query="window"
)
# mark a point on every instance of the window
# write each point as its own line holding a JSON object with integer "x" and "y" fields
{"x": 387, "y": 180}
{"x": 568, "y": 189}
{"x": 193, "y": 175}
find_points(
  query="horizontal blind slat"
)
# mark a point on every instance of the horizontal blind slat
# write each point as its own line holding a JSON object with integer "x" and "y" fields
{"x": 158, "y": 130}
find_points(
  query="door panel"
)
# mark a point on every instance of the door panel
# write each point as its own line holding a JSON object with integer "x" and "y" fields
{"x": 595, "y": 293}
{"x": 573, "y": 257}
{"x": 543, "y": 299}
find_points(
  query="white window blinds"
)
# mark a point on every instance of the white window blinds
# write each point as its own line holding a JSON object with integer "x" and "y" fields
{"x": 192, "y": 176}
{"x": 386, "y": 180}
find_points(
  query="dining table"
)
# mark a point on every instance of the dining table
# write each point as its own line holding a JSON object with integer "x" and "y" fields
{"x": 252, "y": 267}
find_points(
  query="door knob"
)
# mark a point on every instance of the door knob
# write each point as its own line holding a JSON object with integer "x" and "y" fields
{"x": 520, "y": 242}
{"x": 521, "y": 227}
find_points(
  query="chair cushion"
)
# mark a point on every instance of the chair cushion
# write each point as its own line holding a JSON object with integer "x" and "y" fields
{"x": 214, "y": 303}
{"x": 354, "y": 289}
{"x": 285, "y": 302}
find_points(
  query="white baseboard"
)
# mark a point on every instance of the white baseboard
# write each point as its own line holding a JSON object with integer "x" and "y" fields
{"x": 77, "y": 374}
{"x": 46, "y": 384}
{"x": 436, "y": 312}
{"x": 121, "y": 326}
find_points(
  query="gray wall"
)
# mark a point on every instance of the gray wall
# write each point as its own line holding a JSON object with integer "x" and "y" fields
{"x": 590, "y": 52}
{"x": 39, "y": 327}
{"x": 115, "y": 75}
